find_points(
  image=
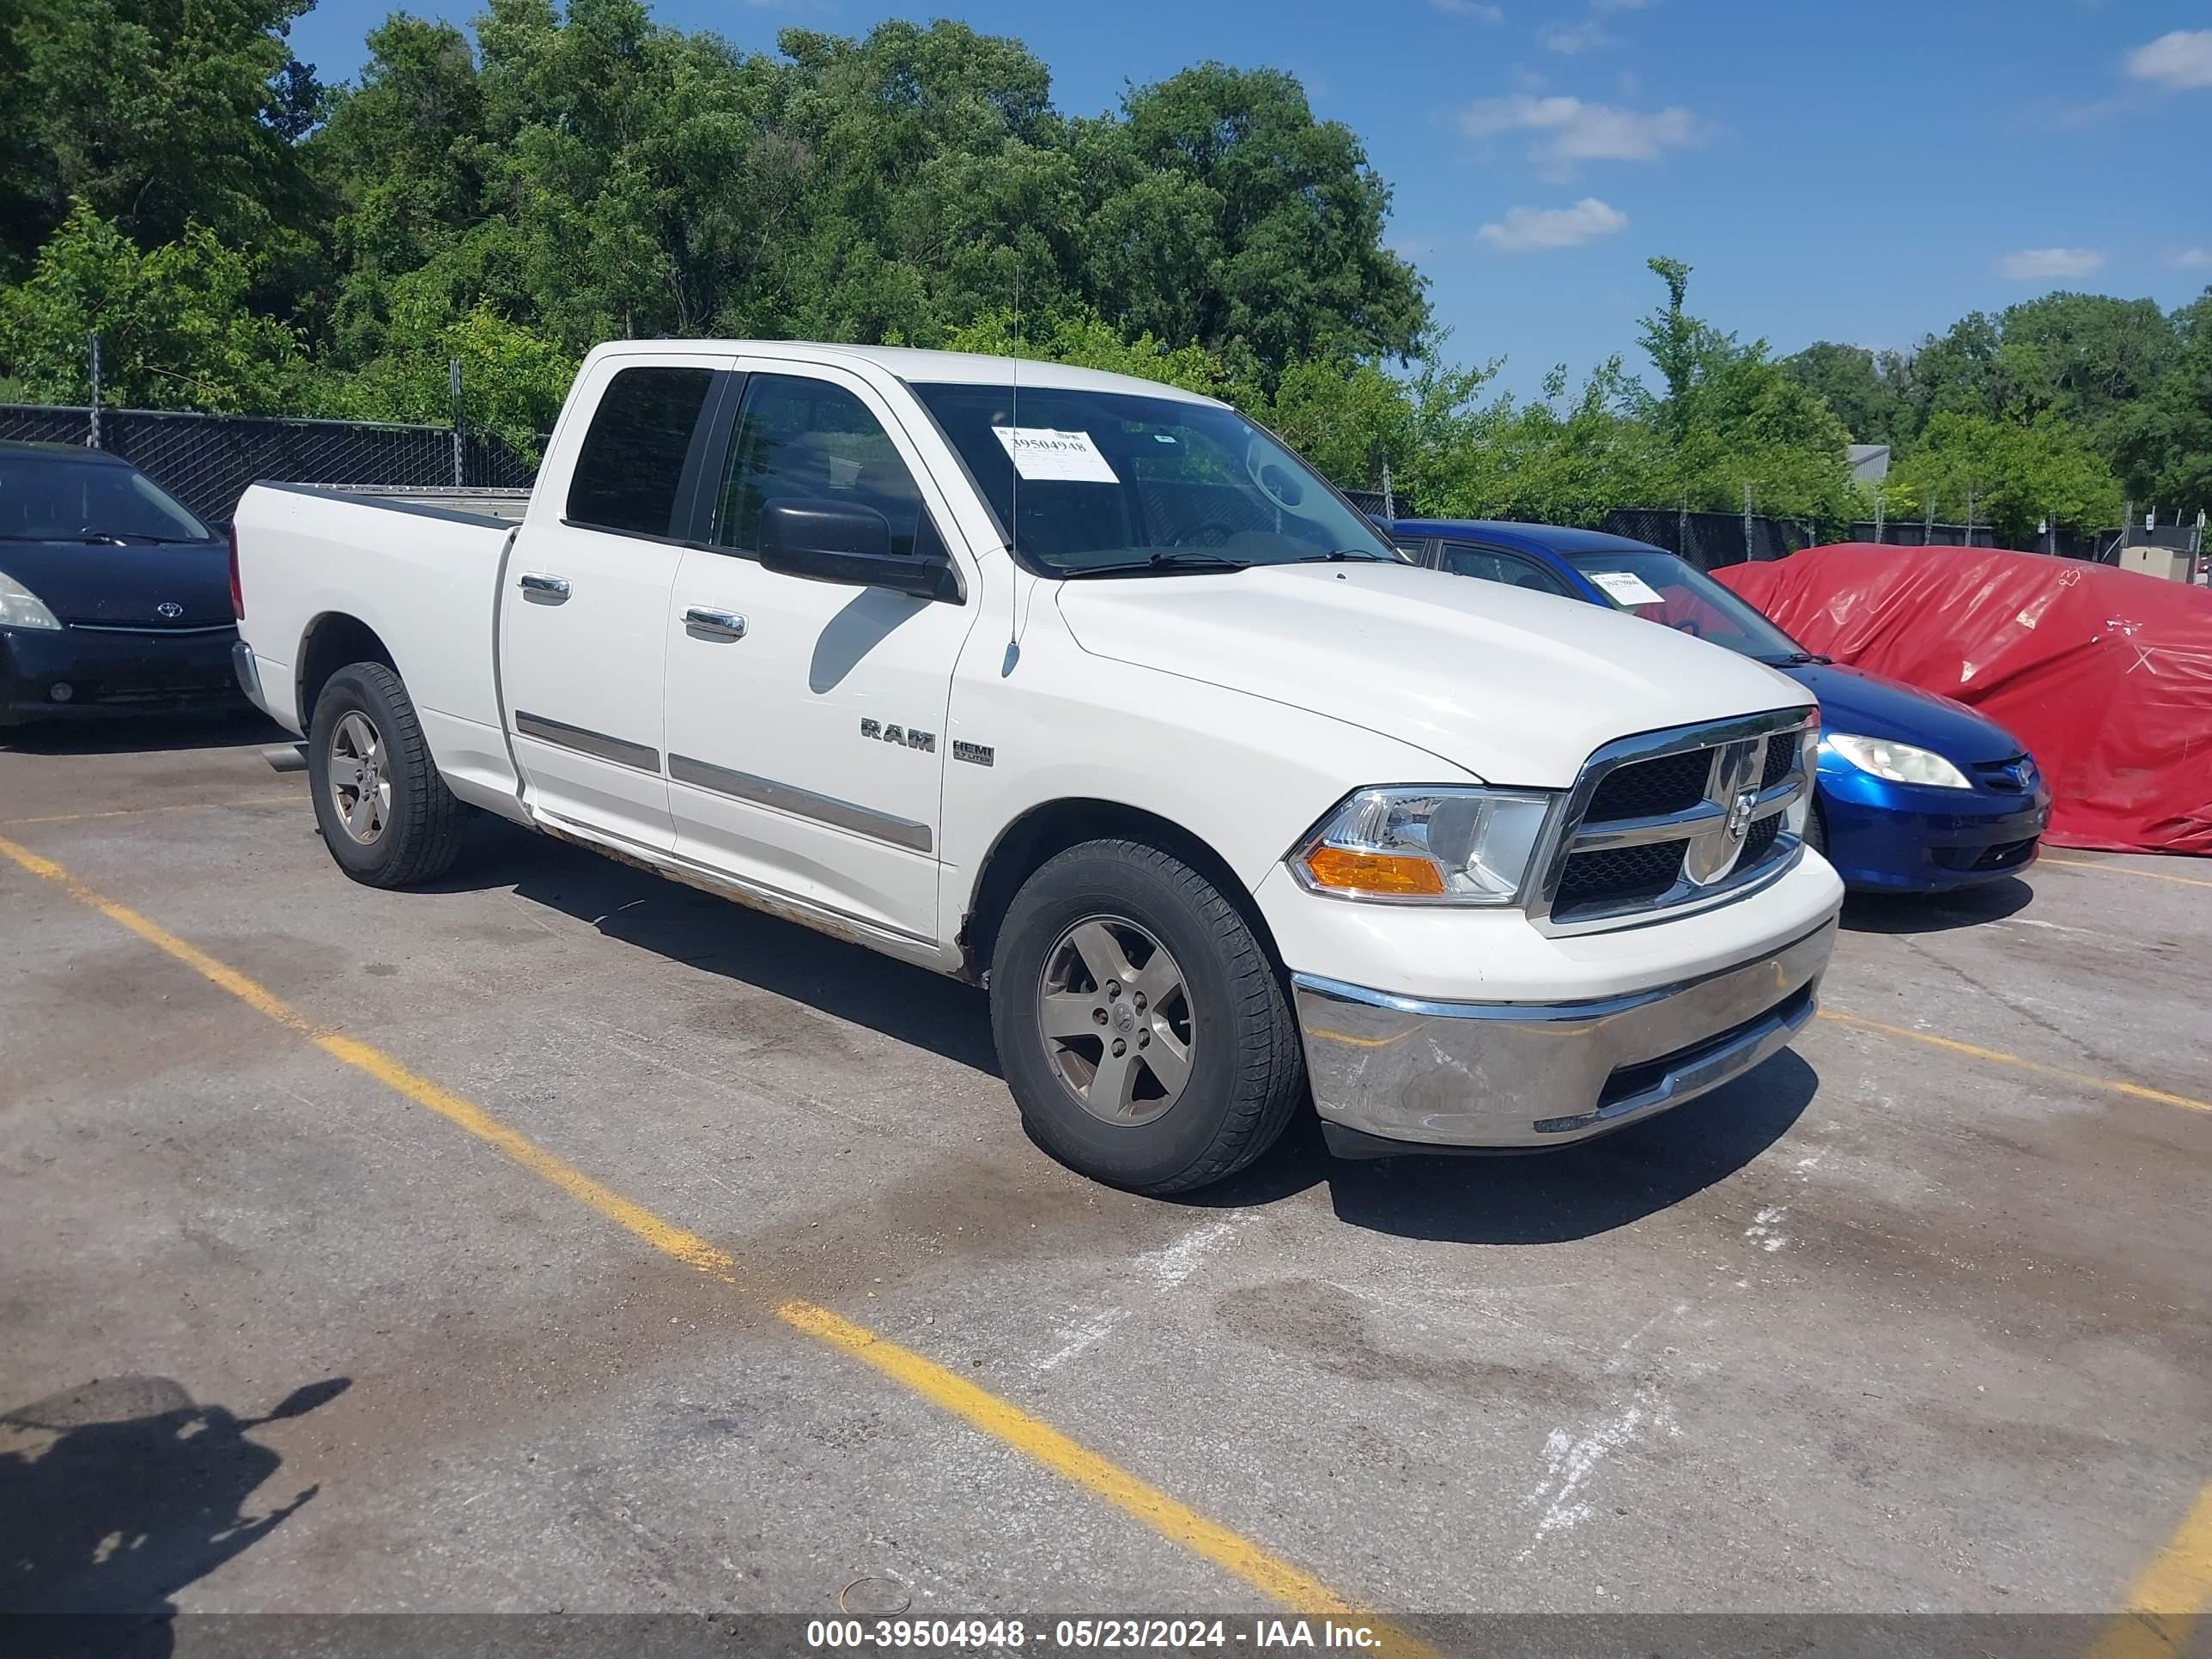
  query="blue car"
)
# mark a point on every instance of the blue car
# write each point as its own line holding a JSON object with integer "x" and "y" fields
{"x": 1917, "y": 793}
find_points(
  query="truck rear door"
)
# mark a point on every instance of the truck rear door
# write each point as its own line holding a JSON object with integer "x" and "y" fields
{"x": 583, "y": 635}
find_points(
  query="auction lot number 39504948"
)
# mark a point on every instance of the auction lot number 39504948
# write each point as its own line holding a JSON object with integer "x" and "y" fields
{"x": 1084, "y": 1633}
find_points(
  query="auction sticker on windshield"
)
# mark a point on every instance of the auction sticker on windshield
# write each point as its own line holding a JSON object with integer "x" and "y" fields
{"x": 1047, "y": 456}
{"x": 1626, "y": 587}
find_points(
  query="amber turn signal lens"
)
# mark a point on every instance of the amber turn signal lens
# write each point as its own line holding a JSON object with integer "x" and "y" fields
{"x": 1349, "y": 871}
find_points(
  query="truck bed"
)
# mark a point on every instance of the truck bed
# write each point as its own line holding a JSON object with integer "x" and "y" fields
{"x": 424, "y": 578}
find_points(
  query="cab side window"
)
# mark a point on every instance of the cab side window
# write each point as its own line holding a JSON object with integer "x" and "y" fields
{"x": 800, "y": 439}
{"x": 1492, "y": 564}
{"x": 631, "y": 465}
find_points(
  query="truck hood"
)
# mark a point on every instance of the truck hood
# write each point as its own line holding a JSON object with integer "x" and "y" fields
{"x": 1514, "y": 686}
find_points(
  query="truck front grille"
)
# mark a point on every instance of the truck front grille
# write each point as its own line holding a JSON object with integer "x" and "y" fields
{"x": 1671, "y": 783}
{"x": 1619, "y": 873}
{"x": 1689, "y": 816}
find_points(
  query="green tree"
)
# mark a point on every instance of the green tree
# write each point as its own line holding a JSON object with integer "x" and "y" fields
{"x": 1864, "y": 390}
{"x": 1731, "y": 416}
{"x": 2163, "y": 440}
{"x": 1267, "y": 224}
{"x": 2085, "y": 356}
{"x": 1084, "y": 340}
{"x": 1558, "y": 458}
{"x": 158, "y": 114}
{"x": 402, "y": 154}
{"x": 512, "y": 381}
{"x": 2010, "y": 476}
{"x": 174, "y": 329}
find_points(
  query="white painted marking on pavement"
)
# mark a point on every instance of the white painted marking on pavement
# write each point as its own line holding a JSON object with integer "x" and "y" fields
{"x": 1077, "y": 1336}
{"x": 1179, "y": 1260}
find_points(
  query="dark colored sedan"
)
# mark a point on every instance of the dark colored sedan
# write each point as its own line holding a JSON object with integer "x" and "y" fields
{"x": 113, "y": 598}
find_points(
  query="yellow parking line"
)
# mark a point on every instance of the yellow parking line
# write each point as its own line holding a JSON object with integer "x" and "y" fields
{"x": 140, "y": 811}
{"x": 2123, "y": 869}
{"x": 2110, "y": 1086}
{"x": 2168, "y": 1597}
{"x": 1000, "y": 1418}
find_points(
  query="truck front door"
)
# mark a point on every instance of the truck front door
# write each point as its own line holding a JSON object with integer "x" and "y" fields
{"x": 583, "y": 631}
{"x": 806, "y": 720}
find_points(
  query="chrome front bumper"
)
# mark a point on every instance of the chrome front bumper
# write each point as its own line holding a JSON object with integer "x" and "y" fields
{"x": 1532, "y": 1075}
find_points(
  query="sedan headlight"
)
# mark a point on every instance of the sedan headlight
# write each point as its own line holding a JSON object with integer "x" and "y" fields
{"x": 21, "y": 608}
{"x": 1900, "y": 763}
{"x": 1445, "y": 845}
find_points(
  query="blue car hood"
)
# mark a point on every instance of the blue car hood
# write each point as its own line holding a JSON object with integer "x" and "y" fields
{"x": 1852, "y": 701}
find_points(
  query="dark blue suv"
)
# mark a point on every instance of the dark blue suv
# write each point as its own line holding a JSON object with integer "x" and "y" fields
{"x": 1917, "y": 793}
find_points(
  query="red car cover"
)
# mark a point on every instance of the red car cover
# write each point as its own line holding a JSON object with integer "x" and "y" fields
{"x": 2106, "y": 675}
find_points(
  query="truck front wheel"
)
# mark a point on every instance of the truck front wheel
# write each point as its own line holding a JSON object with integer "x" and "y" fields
{"x": 1139, "y": 1022}
{"x": 384, "y": 813}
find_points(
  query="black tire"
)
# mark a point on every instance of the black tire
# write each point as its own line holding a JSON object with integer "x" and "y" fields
{"x": 420, "y": 834}
{"x": 1816, "y": 831}
{"x": 1246, "y": 1075}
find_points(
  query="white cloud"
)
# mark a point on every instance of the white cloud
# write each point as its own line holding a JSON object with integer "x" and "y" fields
{"x": 2183, "y": 58}
{"x": 2193, "y": 259}
{"x": 1477, "y": 10}
{"x": 1570, "y": 40}
{"x": 1620, "y": 5}
{"x": 1579, "y": 132}
{"x": 2036, "y": 264}
{"x": 1526, "y": 229}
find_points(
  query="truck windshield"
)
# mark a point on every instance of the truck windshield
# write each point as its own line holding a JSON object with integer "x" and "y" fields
{"x": 1659, "y": 588}
{"x": 45, "y": 498}
{"x": 1116, "y": 484}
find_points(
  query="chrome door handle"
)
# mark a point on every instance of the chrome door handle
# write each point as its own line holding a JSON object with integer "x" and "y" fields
{"x": 719, "y": 624}
{"x": 554, "y": 589}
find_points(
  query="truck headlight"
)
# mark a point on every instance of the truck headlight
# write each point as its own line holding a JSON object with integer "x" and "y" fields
{"x": 1443, "y": 845}
{"x": 21, "y": 608}
{"x": 1900, "y": 763}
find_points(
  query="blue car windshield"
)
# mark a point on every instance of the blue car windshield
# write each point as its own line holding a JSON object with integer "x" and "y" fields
{"x": 1659, "y": 588}
{"x": 1116, "y": 484}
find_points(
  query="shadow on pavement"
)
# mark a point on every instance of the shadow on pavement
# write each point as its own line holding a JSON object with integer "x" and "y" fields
{"x": 1540, "y": 1198}
{"x": 137, "y": 734}
{"x": 118, "y": 1494}
{"x": 719, "y": 936}
{"x": 1935, "y": 913}
{"x": 1544, "y": 1197}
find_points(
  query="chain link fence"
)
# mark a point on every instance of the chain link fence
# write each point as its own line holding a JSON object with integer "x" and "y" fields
{"x": 206, "y": 461}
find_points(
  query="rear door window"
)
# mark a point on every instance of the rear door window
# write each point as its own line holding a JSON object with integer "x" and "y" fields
{"x": 1493, "y": 564}
{"x": 629, "y": 472}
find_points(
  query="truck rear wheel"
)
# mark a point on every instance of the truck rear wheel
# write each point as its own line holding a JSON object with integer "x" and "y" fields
{"x": 1139, "y": 1021}
{"x": 384, "y": 813}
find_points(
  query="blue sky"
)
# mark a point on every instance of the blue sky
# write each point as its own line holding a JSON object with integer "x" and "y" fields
{"x": 1865, "y": 172}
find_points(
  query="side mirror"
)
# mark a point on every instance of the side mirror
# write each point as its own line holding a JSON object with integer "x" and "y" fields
{"x": 843, "y": 542}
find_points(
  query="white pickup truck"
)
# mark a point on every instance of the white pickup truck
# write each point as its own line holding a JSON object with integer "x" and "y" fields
{"x": 1089, "y": 691}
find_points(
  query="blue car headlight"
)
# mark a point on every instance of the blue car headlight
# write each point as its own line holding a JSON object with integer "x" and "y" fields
{"x": 1898, "y": 762}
